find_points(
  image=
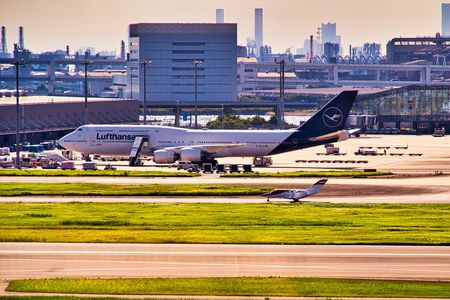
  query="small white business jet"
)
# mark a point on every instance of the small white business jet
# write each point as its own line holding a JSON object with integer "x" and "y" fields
{"x": 295, "y": 195}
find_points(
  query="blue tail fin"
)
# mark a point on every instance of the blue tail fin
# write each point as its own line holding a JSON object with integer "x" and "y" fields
{"x": 331, "y": 117}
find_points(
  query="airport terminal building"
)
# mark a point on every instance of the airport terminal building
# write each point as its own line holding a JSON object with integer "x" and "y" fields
{"x": 419, "y": 107}
{"x": 172, "y": 49}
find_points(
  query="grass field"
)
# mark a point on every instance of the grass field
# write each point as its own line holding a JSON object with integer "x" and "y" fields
{"x": 64, "y": 298}
{"x": 240, "y": 286}
{"x": 94, "y": 189}
{"x": 353, "y": 174}
{"x": 73, "y": 173}
{"x": 266, "y": 223}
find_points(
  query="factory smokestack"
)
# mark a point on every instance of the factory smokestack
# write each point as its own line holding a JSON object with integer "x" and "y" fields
{"x": 21, "y": 41}
{"x": 311, "y": 49}
{"x": 4, "y": 49}
{"x": 122, "y": 49}
{"x": 259, "y": 30}
{"x": 220, "y": 15}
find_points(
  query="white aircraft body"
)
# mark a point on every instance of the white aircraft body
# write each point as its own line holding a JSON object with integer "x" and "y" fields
{"x": 169, "y": 144}
{"x": 295, "y": 194}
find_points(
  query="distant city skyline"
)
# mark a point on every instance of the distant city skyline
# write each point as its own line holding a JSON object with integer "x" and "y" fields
{"x": 102, "y": 24}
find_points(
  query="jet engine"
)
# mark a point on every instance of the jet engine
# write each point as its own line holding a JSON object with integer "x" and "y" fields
{"x": 164, "y": 157}
{"x": 191, "y": 154}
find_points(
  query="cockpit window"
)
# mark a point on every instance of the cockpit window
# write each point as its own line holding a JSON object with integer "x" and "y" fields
{"x": 80, "y": 129}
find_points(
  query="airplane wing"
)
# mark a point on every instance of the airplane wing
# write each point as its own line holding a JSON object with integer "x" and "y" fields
{"x": 275, "y": 193}
{"x": 354, "y": 131}
{"x": 341, "y": 134}
{"x": 207, "y": 148}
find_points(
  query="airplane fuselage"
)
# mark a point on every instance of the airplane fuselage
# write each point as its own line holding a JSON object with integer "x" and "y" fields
{"x": 117, "y": 140}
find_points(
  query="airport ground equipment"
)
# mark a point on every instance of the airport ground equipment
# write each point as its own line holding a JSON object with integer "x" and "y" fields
{"x": 89, "y": 166}
{"x": 67, "y": 165}
{"x": 194, "y": 169}
{"x": 247, "y": 168}
{"x": 366, "y": 152}
{"x": 109, "y": 167}
{"x": 330, "y": 149}
{"x": 136, "y": 150}
{"x": 6, "y": 162}
{"x": 4, "y": 151}
{"x": 262, "y": 161}
{"x": 208, "y": 168}
{"x": 220, "y": 169}
{"x": 439, "y": 132}
{"x": 57, "y": 157}
{"x": 234, "y": 168}
{"x": 68, "y": 154}
{"x": 184, "y": 165}
{"x": 51, "y": 165}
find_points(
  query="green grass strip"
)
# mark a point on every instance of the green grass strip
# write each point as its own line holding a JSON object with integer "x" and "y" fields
{"x": 265, "y": 223}
{"x": 66, "y": 298}
{"x": 238, "y": 286}
{"x": 74, "y": 173}
{"x": 352, "y": 174}
{"x": 95, "y": 189}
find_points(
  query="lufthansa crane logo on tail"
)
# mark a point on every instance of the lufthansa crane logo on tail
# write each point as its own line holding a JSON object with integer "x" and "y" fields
{"x": 332, "y": 117}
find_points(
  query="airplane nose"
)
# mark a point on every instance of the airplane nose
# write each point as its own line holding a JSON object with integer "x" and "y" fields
{"x": 62, "y": 142}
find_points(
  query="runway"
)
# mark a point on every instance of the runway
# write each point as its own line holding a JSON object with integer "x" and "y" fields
{"x": 441, "y": 198}
{"x": 39, "y": 260}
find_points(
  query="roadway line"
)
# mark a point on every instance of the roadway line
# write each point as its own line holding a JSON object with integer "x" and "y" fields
{"x": 219, "y": 253}
{"x": 225, "y": 266}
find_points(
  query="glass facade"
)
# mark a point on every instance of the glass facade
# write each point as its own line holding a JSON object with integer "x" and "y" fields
{"x": 424, "y": 106}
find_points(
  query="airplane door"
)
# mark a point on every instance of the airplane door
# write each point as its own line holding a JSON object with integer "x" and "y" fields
{"x": 92, "y": 139}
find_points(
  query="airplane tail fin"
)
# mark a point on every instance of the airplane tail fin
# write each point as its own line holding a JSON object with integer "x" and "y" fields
{"x": 331, "y": 117}
{"x": 316, "y": 187}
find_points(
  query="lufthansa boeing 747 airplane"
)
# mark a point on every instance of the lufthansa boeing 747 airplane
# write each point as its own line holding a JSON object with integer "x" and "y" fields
{"x": 169, "y": 144}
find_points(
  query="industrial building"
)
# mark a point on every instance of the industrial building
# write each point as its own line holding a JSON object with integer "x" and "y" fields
{"x": 48, "y": 117}
{"x": 446, "y": 19}
{"x": 431, "y": 50}
{"x": 172, "y": 50}
{"x": 328, "y": 34}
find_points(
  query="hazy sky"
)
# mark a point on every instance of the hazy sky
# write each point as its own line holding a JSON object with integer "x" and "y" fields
{"x": 52, "y": 24}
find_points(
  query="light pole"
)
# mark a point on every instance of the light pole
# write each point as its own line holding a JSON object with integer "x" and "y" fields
{"x": 280, "y": 119}
{"x": 196, "y": 63}
{"x": 223, "y": 116}
{"x": 18, "y": 63}
{"x": 86, "y": 112}
{"x": 144, "y": 65}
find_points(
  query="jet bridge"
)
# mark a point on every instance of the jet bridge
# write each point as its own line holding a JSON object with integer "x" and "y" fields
{"x": 136, "y": 149}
